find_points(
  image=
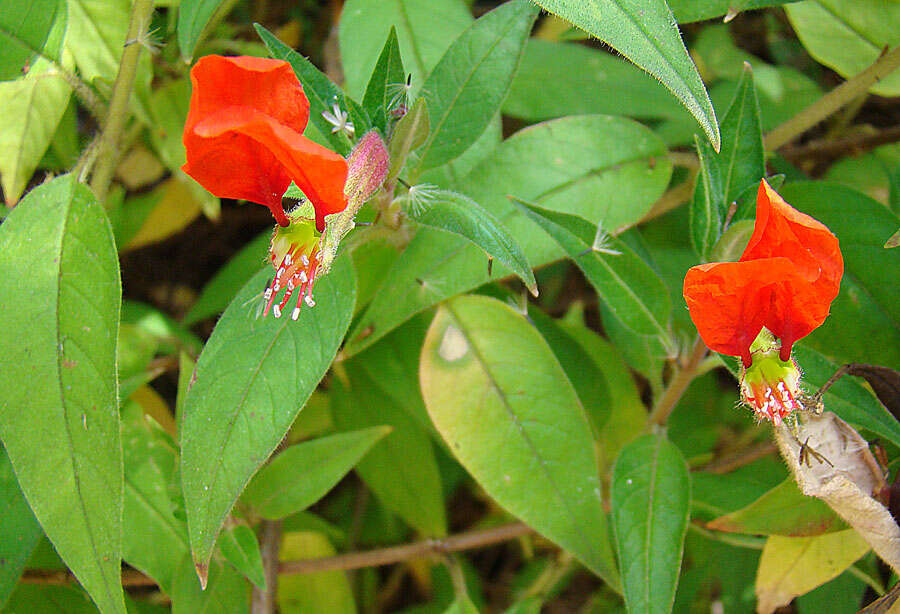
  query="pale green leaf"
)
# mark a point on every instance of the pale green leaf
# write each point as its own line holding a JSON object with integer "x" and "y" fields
{"x": 24, "y": 27}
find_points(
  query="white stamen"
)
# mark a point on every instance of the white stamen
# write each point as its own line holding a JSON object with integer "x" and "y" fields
{"x": 277, "y": 311}
{"x": 295, "y": 314}
{"x": 287, "y": 260}
{"x": 267, "y": 294}
{"x": 304, "y": 260}
{"x": 309, "y": 300}
{"x": 303, "y": 277}
{"x": 290, "y": 284}
{"x": 276, "y": 286}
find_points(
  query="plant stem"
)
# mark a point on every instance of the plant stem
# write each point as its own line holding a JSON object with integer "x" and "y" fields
{"x": 469, "y": 540}
{"x": 842, "y": 95}
{"x": 678, "y": 384}
{"x": 108, "y": 149}
{"x": 263, "y": 601}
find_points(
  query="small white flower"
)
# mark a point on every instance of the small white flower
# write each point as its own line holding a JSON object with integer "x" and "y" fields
{"x": 601, "y": 243}
{"x": 339, "y": 120}
{"x": 419, "y": 197}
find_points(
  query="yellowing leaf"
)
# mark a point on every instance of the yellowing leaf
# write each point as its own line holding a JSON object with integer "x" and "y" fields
{"x": 32, "y": 108}
{"x": 326, "y": 591}
{"x": 792, "y": 566}
{"x": 177, "y": 208}
{"x": 155, "y": 407}
{"x": 139, "y": 168}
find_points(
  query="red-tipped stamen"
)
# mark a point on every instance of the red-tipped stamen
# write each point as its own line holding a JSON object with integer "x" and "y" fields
{"x": 297, "y": 272}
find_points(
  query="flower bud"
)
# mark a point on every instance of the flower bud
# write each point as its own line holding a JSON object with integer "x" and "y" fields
{"x": 367, "y": 167}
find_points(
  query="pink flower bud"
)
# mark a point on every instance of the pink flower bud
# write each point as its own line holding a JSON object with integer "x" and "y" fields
{"x": 367, "y": 167}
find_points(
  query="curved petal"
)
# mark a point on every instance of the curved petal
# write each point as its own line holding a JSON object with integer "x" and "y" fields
{"x": 317, "y": 171}
{"x": 265, "y": 85}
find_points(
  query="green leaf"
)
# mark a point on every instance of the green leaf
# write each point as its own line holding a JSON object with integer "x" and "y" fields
{"x": 322, "y": 93}
{"x": 708, "y": 203}
{"x": 606, "y": 169}
{"x": 425, "y": 29}
{"x": 651, "y": 498}
{"x": 687, "y": 11}
{"x": 44, "y": 598}
{"x": 504, "y": 406}
{"x": 302, "y": 474}
{"x": 252, "y": 378}
{"x": 849, "y": 35}
{"x": 582, "y": 78}
{"x": 411, "y": 490}
{"x": 409, "y": 134}
{"x": 24, "y": 27}
{"x": 240, "y": 548}
{"x": 19, "y": 531}
{"x": 628, "y": 286}
{"x": 868, "y": 306}
{"x": 459, "y": 214}
{"x": 388, "y": 81}
{"x": 32, "y": 109}
{"x": 785, "y": 511}
{"x": 466, "y": 88}
{"x": 742, "y": 159}
{"x": 645, "y": 32}
{"x": 218, "y": 291}
{"x": 61, "y": 293}
{"x": 462, "y": 605}
{"x": 154, "y": 539}
{"x": 226, "y": 590}
{"x": 193, "y": 15}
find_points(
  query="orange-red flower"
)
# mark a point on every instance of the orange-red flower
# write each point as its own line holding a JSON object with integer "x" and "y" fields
{"x": 244, "y": 137}
{"x": 785, "y": 281}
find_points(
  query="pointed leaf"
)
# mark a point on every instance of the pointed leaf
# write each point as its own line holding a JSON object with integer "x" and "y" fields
{"x": 302, "y": 474}
{"x": 33, "y": 106}
{"x": 645, "y": 32}
{"x": 508, "y": 413}
{"x": 24, "y": 27}
{"x": 252, "y": 378}
{"x": 193, "y": 15}
{"x": 240, "y": 548}
{"x": 61, "y": 293}
{"x": 425, "y": 28}
{"x": 605, "y": 169}
{"x": 322, "y": 93}
{"x": 784, "y": 511}
{"x": 459, "y": 214}
{"x": 387, "y": 81}
{"x": 631, "y": 289}
{"x": 466, "y": 88}
{"x": 742, "y": 159}
{"x": 651, "y": 498}
{"x": 226, "y": 590}
{"x": 792, "y": 566}
{"x": 708, "y": 204}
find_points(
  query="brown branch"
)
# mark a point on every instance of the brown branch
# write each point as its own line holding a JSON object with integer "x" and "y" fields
{"x": 678, "y": 384}
{"x": 416, "y": 550}
{"x": 263, "y": 601}
{"x": 745, "y": 457}
{"x": 855, "y": 144}
{"x": 469, "y": 540}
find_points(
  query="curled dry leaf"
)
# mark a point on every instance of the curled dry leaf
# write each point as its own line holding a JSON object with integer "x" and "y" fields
{"x": 831, "y": 461}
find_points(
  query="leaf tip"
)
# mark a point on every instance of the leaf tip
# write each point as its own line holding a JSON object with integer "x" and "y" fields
{"x": 202, "y": 573}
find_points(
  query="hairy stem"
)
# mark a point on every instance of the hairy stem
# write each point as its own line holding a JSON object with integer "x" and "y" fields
{"x": 108, "y": 148}
{"x": 263, "y": 601}
{"x": 678, "y": 384}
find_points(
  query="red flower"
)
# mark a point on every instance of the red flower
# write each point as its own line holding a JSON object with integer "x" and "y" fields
{"x": 244, "y": 137}
{"x": 785, "y": 281}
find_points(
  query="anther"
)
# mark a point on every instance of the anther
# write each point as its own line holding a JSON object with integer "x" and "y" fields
{"x": 295, "y": 314}
{"x": 276, "y": 310}
{"x": 303, "y": 277}
{"x": 309, "y": 300}
{"x": 304, "y": 260}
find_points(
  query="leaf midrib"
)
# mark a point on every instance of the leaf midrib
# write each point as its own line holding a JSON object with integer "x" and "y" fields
{"x": 110, "y": 593}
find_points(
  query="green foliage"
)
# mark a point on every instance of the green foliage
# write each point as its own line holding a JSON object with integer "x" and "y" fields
{"x": 651, "y": 494}
{"x": 63, "y": 296}
{"x": 646, "y": 34}
{"x": 151, "y": 415}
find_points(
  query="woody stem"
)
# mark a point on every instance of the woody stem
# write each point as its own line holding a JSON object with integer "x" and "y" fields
{"x": 678, "y": 384}
{"x": 108, "y": 147}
